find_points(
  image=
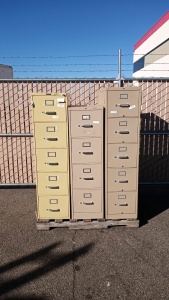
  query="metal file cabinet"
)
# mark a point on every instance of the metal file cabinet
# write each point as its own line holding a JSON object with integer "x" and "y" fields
{"x": 50, "y": 121}
{"x": 86, "y": 161}
{"x": 122, "y": 128}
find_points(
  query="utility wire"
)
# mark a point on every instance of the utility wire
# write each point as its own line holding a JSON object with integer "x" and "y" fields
{"x": 62, "y": 65}
{"x": 58, "y": 71}
{"x": 81, "y": 56}
{"x": 65, "y": 65}
{"x": 69, "y": 56}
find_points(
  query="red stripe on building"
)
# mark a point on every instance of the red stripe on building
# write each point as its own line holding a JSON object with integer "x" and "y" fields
{"x": 164, "y": 19}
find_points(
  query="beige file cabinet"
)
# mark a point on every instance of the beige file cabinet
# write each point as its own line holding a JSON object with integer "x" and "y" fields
{"x": 50, "y": 122}
{"x": 122, "y": 129}
{"x": 86, "y": 161}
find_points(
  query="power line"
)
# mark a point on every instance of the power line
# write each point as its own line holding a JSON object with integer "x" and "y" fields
{"x": 61, "y": 65}
{"x": 68, "y": 56}
{"x": 65, "y": 65}
{"x": 81, "y": 56}
{"x": 58, "y": 71}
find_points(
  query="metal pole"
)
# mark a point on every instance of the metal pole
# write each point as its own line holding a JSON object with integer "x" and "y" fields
{"x": 17, "y": 184}
{"x": 16, "y": 135}
{"x": 119, "y": 69}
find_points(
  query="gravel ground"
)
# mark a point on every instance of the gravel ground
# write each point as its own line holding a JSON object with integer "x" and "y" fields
{"x": 97, "y": 264}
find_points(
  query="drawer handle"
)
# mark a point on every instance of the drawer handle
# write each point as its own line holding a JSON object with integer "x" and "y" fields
{"x": 121, "y": 204}
{"x": 87, "y": 178}
{"x": 123, "y": 105}
{"x": 87, "y": 125}
{"x": 53, "y": 187}
{"x": 121, "y": 181}
{"x": 52, "y": 164}
{"x": 122, "y": 157}
{"x": 88, "y": 153}
{"x": 122, "y": 132}
{"x": 88, "y": 203}
{"x": 54, "y": 210}
{"x": 51, "y": 139}
{"x": 51, "y": 113}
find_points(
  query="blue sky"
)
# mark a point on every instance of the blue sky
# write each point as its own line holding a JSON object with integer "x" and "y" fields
{"x": 50, "y": 36}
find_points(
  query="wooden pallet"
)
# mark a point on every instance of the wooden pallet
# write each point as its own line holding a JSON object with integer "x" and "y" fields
{"x": 85, "y": 224}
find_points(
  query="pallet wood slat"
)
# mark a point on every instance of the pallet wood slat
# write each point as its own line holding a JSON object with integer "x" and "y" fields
{"x": 91, "y": 224}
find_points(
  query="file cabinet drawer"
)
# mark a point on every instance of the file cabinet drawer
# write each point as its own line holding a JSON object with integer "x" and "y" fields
{"x": 86, "y": 123}
{"x": 87, "y": 176}
{"x": 86, "y": 150}
{"x": 122, "y": 203}
{"x": 53, "y": 207}
{"x": 52, "y": 160}
{"x": 51, "y": 135}
{"x": 122, "y": 155}
{"x": 87, "y": 201}
{"x": 123, "y": 104}
{"x": 122, "y": 179}
{"x": 49, "y": 108}
{"x": 53, "y": 183}
{"x": 123, "y": 130}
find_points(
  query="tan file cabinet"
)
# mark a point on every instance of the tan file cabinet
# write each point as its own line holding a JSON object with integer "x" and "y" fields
{"x": 50, "y": 122}
{"x": 122, "y": 179}
{"x": 51, "y": 135}
{"x": 83, "y": 149}
{"x": 86, "y": 161}
{"x": 121, "y": 203}
{"x": 122, "y": 155}
{"x": 53, "y": 207}
{"x": 86, "y": 124}
{"x": 49, "y": 109}
{"x": 52, "y": 160}
{"x": 122, "y": 129}
{"x": 53, "y": 183}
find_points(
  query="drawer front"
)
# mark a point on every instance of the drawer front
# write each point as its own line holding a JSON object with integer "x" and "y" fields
{"x": 122, "y": 179}
{"x": 51, "y": 135}
{"x": 88, "y": 201}
{"x": 122, "y": 203}
{"x": 87, "y": 176}
{"x": 49, "y": 108}
{"x": 122, "y": 155}
{"x": 123, "y": 130}
{"x": 53, "y": 207}
{"x": 123, "y": 103}
{"x": 52, "y": 160}
{"x": 53, "y": 183}
{"x": 86, "y": 123}
{"x": 87, "y": 150}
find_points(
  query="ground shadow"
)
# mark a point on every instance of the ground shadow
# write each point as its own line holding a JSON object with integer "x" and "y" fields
{"x": 154, "y": 150}
{"x": 47, "y": 262}
{"x": 31, "y": 297}
{"x": 153, "y": 166}
{"x": 152, "y": 200}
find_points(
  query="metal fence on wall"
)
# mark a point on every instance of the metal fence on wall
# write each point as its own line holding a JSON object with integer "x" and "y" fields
{"x": 17, "y": 161}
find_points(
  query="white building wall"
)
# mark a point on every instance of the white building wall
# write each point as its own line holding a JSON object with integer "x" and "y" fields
{"x": 159, "y": 66}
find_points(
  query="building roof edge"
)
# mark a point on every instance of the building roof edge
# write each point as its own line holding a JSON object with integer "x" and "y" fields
{"x": 153, "y": 29}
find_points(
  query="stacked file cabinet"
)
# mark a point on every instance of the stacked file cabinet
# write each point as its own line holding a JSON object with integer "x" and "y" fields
{"x": 122, "y": 129}
{"x": 86, "y": 162}
{"x": 50, "y": 123}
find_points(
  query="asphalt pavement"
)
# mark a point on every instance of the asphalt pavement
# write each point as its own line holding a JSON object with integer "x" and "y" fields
{"x": 96, "y": 264}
